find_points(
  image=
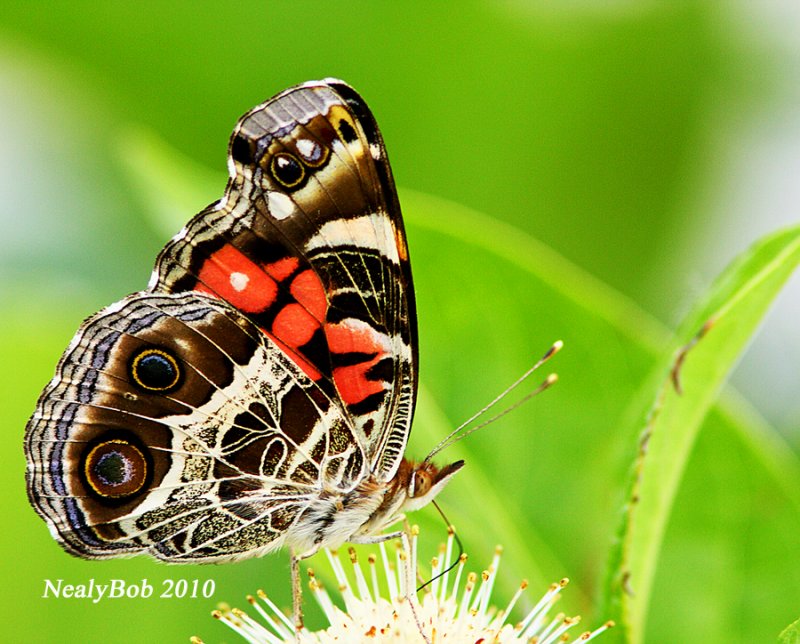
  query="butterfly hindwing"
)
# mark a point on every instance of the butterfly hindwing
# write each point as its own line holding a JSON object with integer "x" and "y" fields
{"x": 159, "y": 438}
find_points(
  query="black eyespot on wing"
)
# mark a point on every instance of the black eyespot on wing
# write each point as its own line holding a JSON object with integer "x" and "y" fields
{"x": 241, "y": 151}
{"x": 154, "y": 369}
{"x": 116, "y": 468}
{"x": 287, "y": 170}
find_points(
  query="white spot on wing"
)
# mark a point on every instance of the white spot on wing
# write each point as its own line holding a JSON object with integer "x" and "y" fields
{"x": 280, "y": 206}
{"x": 307, "y": 148}
{"x": 239, "y": 281}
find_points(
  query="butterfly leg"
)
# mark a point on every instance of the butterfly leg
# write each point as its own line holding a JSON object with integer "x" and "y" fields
{"x": 297, "y": 614}
{"x": 297, "y": 588}
{"x": 295, "y": 559}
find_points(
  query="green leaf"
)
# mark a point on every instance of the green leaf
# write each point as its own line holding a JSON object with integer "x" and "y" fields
{"x": 727, "y": 568}
{"x": 704, "y": 351}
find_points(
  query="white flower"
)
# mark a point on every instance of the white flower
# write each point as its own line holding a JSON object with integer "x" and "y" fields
{"x": 452, "y": 608}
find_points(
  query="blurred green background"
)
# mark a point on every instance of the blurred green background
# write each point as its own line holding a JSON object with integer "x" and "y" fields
{"x": 642, "y": 144}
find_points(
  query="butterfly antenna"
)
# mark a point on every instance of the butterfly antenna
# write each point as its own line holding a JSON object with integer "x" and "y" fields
{"x": 452, "y": 530}
{"x": 454, "y": 436}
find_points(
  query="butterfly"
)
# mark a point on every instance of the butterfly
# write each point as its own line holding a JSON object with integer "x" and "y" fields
{"x": 260, "y": 392}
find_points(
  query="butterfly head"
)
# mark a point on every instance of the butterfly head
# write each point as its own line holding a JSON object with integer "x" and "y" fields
{"x": 425, "y": 480}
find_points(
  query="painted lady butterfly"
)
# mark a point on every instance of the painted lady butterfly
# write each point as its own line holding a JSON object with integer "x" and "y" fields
{"x": 260, "y": 391}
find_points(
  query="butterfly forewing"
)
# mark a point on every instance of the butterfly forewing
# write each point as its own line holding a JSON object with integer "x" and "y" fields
{"x": 308, "y": 242}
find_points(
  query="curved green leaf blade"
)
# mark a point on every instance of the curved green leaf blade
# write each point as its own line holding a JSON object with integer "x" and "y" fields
{"x": 706, "y": 348}
{"x": 728, "y": 569}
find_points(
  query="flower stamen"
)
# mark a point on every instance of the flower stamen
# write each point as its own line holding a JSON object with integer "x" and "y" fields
{"x": 436, "y": 614}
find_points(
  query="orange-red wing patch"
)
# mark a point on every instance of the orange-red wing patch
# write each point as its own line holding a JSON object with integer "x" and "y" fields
{"x": 345, "y": 337}
{"x": 352, "y": 381}
{"x": 353, "y": 384}
{"x": 294, "y": 325}
{"x": 230, "y": 275}
{"x": 308, "y": 290}
{"x": 281, "y": 269}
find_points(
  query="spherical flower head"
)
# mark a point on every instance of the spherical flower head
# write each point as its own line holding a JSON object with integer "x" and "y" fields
{"x": 381, "y": 605}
